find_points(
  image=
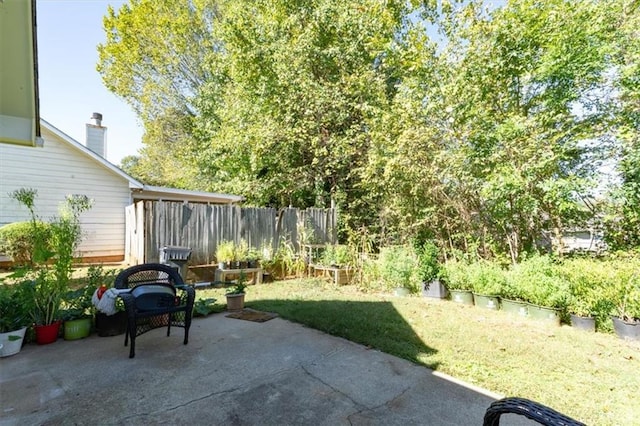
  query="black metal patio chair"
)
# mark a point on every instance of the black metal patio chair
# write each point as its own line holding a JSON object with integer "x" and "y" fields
{"x": 157, "y": 298}
{"x": 530, "y": 409}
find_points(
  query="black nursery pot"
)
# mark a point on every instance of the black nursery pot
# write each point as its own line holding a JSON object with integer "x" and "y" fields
{"x": 111, "y": 325}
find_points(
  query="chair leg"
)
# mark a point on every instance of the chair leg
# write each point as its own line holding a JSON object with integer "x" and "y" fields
{"x": 132, "y": 325}
{"x": 187, "y": 326}
{"x": 132, "y": 351}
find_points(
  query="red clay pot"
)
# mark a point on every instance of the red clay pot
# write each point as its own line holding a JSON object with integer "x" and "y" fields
{"x": 46, "y": 334}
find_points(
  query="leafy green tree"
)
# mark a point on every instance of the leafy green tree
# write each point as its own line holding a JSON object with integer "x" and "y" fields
{"x": 482, "y": 140}
{"x": 623, "y": 222}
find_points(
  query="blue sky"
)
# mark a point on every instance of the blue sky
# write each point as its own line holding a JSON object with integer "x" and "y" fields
{"x": 70, "y": 87}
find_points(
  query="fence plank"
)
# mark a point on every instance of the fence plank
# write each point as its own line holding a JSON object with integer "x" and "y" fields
{"x": 202, "y": 227}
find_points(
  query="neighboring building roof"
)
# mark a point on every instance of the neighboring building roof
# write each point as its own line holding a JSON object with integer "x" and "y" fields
{"x": 140, "y": 191}
{"x": 172, "y": 194}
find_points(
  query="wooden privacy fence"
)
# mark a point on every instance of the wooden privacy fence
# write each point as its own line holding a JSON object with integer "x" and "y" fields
{"x": 154, "y": 224}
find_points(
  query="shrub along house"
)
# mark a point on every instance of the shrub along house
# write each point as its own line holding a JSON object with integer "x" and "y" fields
{"x": 63, "y": 166}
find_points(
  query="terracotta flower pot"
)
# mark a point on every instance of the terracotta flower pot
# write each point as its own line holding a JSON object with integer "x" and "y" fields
{"x": 235, "y": 302}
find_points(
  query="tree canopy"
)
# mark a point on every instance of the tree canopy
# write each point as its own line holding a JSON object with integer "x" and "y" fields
{"x": 481, "y": 127}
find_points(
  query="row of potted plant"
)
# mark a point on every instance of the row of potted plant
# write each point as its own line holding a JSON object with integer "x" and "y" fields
{"x": 232, "y": 255}
{"x": 24, "y": 307}
{"x": 38, "y": 292}
{"x": 573, "y": 287}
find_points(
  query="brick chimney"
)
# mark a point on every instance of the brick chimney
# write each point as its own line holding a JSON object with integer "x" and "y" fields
{"x": 97, "y": 135}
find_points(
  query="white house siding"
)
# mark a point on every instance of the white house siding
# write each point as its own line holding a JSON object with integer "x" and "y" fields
{"x": 60, "y": 169}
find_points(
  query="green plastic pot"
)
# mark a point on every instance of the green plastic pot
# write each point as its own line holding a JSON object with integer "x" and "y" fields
{"x": 543, "y": 313}
{"x": 77, "y": 329}
{"x": 464, "y": 297}
{"x": 487, "y": 302}
{"x": 514, "y": 307}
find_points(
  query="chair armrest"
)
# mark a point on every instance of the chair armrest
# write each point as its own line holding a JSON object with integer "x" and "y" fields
{"x": 189, "y": 292}
{"x": 129, "y": 303}
{"x": 530, "y": 409}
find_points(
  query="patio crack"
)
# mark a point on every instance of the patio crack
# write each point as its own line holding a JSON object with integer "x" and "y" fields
{"x": 333, "y": 388}
{"x": 360, "y": 407}
{"x": 212, "y": 394}
{"x": 388, "y": 404}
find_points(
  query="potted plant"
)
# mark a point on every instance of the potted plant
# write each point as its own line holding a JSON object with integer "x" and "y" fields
{"x": 539, "y": 283}
{"x": 78, "y": 312}
{"x": 241, "y": 255}
{"x": 225, "y": 254}
{"x": 14, "y": 317}
{"x": 624, "y": 296}
{"x": 53, "y": 257}
{"x": 106, "y": 325}
{"x": 253, "y": 258}
{"x": 487, "y": 280}
{"x": 235, "y": 296}
{"x": 512, "y": 298}
{"x": 429, "y": 270}
{"x": 398, "y": 269}
{"x": 46, "y": 293}
{"x": 457, "y": 282}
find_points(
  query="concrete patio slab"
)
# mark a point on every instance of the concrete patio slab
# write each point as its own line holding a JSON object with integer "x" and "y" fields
{"x": 232, "y": 372}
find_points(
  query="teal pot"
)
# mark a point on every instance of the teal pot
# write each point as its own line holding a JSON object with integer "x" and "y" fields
{"x": 487, "y": 302}
{"x": 627, "y": 330}
{"x": 583, "y": 323}
{"x": 543, "y": 313}
{"x": 77, "y": 329}
{"x": 464, "y": 297}
{"x": 111, "y": 325}
{"x": 515, "y": 307}
{"x": 434, "y": 289}
{"x": 11, "y": 342}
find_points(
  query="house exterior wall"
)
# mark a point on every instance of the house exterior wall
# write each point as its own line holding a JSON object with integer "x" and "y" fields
{"x": 59, "y": 169}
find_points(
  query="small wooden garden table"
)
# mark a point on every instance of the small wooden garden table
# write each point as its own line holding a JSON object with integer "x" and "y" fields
{"x": 221, "y": 274}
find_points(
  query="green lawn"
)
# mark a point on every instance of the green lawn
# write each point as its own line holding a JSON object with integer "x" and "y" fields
{"x": 593, "y": 377}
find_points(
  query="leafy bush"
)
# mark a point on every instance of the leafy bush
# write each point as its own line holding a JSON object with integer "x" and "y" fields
{"x": 537, "y": 280}
{"x": 429, "y": 267}
{"x": 456, "y": 275}
{"x": 204, "y": 307}
{"x": 225, "y": 251}
{"x": 17, "y": 240}
{"x": 15, "y": 306}
{"x": 587, "y": 283}
{"x": 53, "y": 253}
{"x": 398, "y": 267}
{"x": 486, "y": 278}
{"x": 337, "y": 255}
{"x": 370, "y": 280}
{"x": 623, "y": 290}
